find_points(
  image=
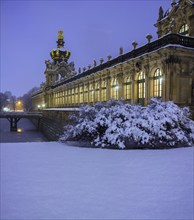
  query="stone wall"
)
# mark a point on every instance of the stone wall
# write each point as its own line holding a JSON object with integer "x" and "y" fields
{"x": 52, "y": 123}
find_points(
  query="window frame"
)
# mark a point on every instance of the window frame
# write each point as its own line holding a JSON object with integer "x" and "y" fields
{"x": 184, "y": 29}
{"x": 141, "y": 87}
{"x": 114, "y": 88}
{"x": 157, "y": 83}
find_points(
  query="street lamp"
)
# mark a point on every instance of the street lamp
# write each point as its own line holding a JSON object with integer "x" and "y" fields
{"x": 18, "y": 105}
{"x": 42, "y": 106}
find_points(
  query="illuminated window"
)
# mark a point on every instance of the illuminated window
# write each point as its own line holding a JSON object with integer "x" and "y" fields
{"x": 127, "y": 88}
{"x": 97, "y": 92}
{"x": 157, "y": 83}
{"x": 184, "y": 30}
{"x": 85, "y": 93}
{"x": 76, "y": 95}
{"x": 114, "y": 88}
{"x": 91, "y": 93}
{"x": 141, "y": 87}
{"x": 73, "y": 96}
{"x": 69, "y": 96}
{"x": 81, "y": 94}
{"x": 60, "y": 98}
{"x": 57, "y": 99}
{"x": 103, "y": 90}
{"x": 63, "y": 97}
{"x": 66, "y": 97}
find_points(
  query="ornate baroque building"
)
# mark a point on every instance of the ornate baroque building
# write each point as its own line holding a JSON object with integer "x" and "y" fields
{"x": 162, "y": 68}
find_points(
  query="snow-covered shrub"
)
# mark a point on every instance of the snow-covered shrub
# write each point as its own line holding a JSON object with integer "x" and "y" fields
{"x": 119, "y": 125}
{"x": 169, "y": 124}
{"x": 81, "y": 128}
{"x": 84, "y": 126}
{"x": 116, "y": 120}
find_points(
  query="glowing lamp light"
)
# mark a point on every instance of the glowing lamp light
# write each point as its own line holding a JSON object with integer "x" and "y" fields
{"x": 38, "y": 106}
{"x": 19, "y": 130}
{"x": 43, "y": 105}
{"x": 5, "y": 109}
{"x": 117, "y": 87}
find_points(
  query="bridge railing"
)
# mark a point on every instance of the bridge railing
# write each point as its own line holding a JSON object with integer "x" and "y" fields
{"x": 14, "y": 117}
{"x": 20, "y": 114}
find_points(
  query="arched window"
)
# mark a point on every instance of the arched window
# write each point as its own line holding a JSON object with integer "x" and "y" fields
{"x": 158, "y": 83}
{"x": 103, "y": 90}
{"x": 63, "y": 98}
{"x": 81, "y": 95}
{"x": 66, "y": 97}
{"x": 91, "y": 93}
{"x": 69, "y": 96}
{"x": 97, "y": 91}
{"x": 57, "y": 98}
{"x": 73, "y": 95}
{"x": 76, "y": 95}
{"x": 85, "y": 93}
{"x": 127, "y": 88}
{"x": 114, "y": 88}
{"x": 141, "y": 87}
{"x": 184, "y": 30}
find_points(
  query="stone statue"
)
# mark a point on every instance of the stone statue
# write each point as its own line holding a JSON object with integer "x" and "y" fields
{"x": 72, "y": 66}
{"x": 48, "y": 64}
{"x": 161, "y": 13}
{"x": 120, "y": 51}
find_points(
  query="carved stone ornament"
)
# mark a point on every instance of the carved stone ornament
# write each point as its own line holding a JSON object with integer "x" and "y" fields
{"x": 138, "y": 66}
{"x": 173, "y": 59}
{"x": 64, "y": 69}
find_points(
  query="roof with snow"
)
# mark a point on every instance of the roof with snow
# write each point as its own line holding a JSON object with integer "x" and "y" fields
{"x": 170, "y": 40}
{"x": 165, "y": 41}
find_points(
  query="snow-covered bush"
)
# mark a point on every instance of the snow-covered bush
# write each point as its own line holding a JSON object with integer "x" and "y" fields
{"x": 119, "y": 125}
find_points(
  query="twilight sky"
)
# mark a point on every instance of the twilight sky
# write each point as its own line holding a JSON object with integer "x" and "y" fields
{"x": 92, "y": 30}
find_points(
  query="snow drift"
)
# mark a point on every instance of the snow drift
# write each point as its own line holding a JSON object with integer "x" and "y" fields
{"x": 50, "y": 180}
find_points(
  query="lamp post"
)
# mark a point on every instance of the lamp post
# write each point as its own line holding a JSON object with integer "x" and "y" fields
{"x": 41, "y": 106}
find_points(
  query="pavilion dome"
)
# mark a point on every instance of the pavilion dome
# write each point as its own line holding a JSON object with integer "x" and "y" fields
{"x": 60, "y": 54}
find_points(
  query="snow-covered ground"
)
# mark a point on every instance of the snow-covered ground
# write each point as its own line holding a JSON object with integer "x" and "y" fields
{"x": 51, "y": 180}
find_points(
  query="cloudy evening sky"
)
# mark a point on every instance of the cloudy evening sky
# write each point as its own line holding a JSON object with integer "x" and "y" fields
{"x": 92, "y": 30}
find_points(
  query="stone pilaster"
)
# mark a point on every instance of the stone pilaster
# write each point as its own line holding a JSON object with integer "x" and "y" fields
{"x": 108, "y": 87}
